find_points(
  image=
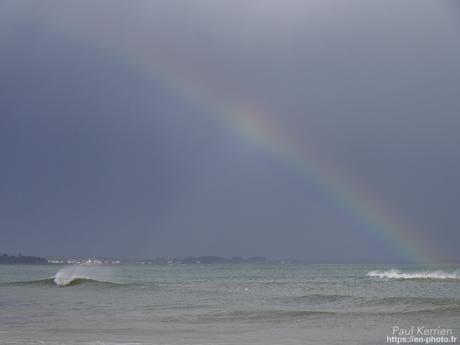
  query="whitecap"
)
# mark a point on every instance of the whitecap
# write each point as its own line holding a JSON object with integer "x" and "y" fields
{"x": 397, "y": 274}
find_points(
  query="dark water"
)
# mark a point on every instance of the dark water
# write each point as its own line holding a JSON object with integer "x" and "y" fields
{"x": 223, "y": 304}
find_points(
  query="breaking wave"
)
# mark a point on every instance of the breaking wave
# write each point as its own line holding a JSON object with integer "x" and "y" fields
{"x": 88, "y": 275}
{"x": 71, "y": 276}
{"x": 81, "y": 274}
{"x": 52, "y": 282}
{"x": 82, "y": 280}
{"x": 396, "y": 274}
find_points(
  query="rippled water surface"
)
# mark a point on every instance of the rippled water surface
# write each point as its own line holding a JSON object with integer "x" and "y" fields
{"x": 223, "y": 304}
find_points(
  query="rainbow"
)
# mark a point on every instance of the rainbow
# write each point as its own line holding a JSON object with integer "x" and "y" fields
{"x": 254, "y": 124}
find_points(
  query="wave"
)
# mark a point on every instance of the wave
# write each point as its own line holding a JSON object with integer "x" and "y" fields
{"x": 83, "y": 274}
{"x": 410, "y": 304}
{"x": 88, "y": 275}
{"x": 270, "y": 314}
{"x": 39, "y": 282}
{"x": 72, "y": 276}
{"x": 251, "y": 316}
{"x": 376, "y": 305}
{"x": 323, "y": 298}
{"x": 399, "y": 300}
{"x": 52, "y": 282}
{"x": 83, "y": 280}
{"x": 396, "y": 274}
{"x": 316, "y": 299}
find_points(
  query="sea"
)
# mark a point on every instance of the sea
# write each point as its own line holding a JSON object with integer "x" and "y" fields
{"x": 221, "y": 304}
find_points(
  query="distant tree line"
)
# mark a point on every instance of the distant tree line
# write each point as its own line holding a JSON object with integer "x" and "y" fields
{"x": 221, "y": 260}
{"x": 21, "y": 259}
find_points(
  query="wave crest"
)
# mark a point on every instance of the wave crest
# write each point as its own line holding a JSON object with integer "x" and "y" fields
{"x": 75, "y": 275}
{"x": 77, "y": 281}
{"x": 50, "y": 282}
{"x": 396, "y": 274}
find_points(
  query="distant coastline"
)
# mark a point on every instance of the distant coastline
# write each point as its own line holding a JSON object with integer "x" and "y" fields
{"x": 6, "y": 259}
{"x": 161, "y": 261}
{"x": 20, "y": 259}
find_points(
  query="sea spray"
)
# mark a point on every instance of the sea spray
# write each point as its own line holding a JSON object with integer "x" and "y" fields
{"x": 397, "y": 274}
{"x": 72, "y": 275}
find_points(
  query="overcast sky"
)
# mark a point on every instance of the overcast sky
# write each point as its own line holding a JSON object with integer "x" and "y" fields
{"x": 104, "y": 154}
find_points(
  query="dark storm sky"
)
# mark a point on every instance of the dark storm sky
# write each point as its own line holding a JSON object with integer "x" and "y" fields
{"x": 101, "y": 158}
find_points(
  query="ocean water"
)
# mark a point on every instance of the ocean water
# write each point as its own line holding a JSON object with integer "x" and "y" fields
{"x": 223, "y": 304}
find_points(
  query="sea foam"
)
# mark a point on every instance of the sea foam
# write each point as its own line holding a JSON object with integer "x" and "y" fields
{"x": 396, "y": 274}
